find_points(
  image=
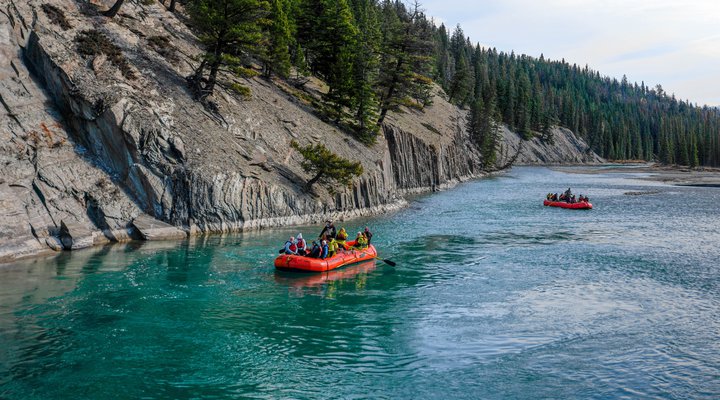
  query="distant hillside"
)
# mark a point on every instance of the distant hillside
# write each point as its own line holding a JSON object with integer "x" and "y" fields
{"x": 620, "y": 120}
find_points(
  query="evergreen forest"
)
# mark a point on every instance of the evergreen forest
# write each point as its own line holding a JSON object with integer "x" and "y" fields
{"x": 379, "y": 56}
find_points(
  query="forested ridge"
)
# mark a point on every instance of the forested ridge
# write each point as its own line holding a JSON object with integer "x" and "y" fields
{"x": 376, "y": 56}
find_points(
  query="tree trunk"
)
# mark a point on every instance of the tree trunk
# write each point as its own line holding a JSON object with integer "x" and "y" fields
{"x": 195, "y": 80}
{"x": 114, "y": 9}
{"x": 212, "y": 78}
{"x": 172, "y": 5}
{"x": 315, "y": 179}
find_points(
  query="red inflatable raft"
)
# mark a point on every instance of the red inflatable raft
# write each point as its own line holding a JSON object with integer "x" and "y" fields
{"x": 583, "y": 205}
{"x": 307, "y": 264}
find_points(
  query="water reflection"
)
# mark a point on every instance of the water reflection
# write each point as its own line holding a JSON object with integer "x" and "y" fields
{"x": 327, "y": 283}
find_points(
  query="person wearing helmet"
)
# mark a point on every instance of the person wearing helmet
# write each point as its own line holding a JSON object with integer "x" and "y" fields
{"x": 361, "y": 241}
{"x": 291, "y": 246}
{"x": 341, "y": 238}
{"x": 324, "y": 249}
{"x": 328, "y": 230}
{"x": 301, "y": 245}
{"x": 368, "y": 235}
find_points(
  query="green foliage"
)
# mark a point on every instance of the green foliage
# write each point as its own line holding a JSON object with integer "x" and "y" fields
{"x": 300, "y": 63}
{"x": 365, "y": 66}
{"x": 325, "y": 166}
{"x": 276, "y": 56}
{"x": 242, "y": 91}
{"x": 405, "y": 54}
{"x": 483, "y": 132}
{"x": 231, "y": 31}
{"x": 93, "y": 42}
{"x": 461, "y": 82}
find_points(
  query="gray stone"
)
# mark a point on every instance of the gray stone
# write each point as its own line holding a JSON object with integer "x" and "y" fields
{"x": 152, "y": 229}
{"x": 74, "y": 236}
{"x": 54, "y": 243}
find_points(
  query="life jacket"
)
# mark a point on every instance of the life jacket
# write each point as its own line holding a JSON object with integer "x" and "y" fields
{"x": 293, "y": 246}
{"x": 301, "y": 244}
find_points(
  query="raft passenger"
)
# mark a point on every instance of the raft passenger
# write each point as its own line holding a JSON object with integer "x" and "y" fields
{"x": 324, "y": 250}
{"x": 361, "y": 241}
{"x": 328, "y": 230}
{"x": 368, "y": 235}
{"x": 291, "y": 246}
{"x": 341, "y": 238}
{"x": 332, "y": 248}
{"x": 301, "y": 245}
{"x": 315, "y": 252}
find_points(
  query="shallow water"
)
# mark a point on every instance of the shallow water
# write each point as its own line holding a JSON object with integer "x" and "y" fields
{"x": 494, "y": 296}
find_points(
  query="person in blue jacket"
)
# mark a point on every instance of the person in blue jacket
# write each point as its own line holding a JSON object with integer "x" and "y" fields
{"x": 325, "y": 249}
{"x": 291, "y": 246}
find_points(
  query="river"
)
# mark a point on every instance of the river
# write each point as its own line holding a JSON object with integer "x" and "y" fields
{"x": 494, "y": 296}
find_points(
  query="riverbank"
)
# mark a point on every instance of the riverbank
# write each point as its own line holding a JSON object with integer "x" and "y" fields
{"x": 668, "y": 174}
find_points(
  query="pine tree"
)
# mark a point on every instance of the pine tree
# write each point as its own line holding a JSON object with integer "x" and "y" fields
{"x": 443, "y": 72}
{"x": 277, "y": 49}
{"x": 461, "y": 82}
{"x": 365, "y": 68}
{"x": 326, "y": 166}
{"x": 300, "y": 63}
{"x": 230, "y": 30}
{"x": 483, "y": 132}
{"x": 405, "y": 54}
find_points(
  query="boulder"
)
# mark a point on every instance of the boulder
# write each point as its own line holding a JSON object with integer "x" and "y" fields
{"x": 150, "y": 228}
{"x": 74, "y": 236}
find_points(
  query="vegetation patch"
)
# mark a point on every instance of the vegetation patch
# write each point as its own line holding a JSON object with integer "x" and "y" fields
{"x": 162, "y": 46}
{"x": 242, "y": 91}
{"x": 93, "y": 43}
{"x": 431, "y": 128}
{"x": 56, "y": 16}
{"x": 325, "y": 166}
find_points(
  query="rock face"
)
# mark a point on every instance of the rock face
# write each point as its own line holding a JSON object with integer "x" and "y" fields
{"x": 563, "y": 148}
{"x": 96, "y": 149}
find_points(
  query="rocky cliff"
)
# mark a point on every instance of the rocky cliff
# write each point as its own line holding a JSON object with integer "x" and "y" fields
{"x": 101, "y": 141}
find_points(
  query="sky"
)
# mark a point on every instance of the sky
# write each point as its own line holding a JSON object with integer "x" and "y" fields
{"x": 674, "y": 43}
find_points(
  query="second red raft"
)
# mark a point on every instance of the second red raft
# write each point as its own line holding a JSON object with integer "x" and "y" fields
{"x": 299, "y": 263}
{"x": 583, "y": 205}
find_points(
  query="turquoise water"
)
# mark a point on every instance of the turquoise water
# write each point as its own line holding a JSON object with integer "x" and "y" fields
{"x": 493, "y": 297}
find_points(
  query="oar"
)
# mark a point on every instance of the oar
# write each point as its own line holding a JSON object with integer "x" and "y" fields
{"x": 388, "y": 262}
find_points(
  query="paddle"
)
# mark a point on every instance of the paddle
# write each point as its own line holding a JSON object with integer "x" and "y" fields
{"x": 388, "y": 262}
